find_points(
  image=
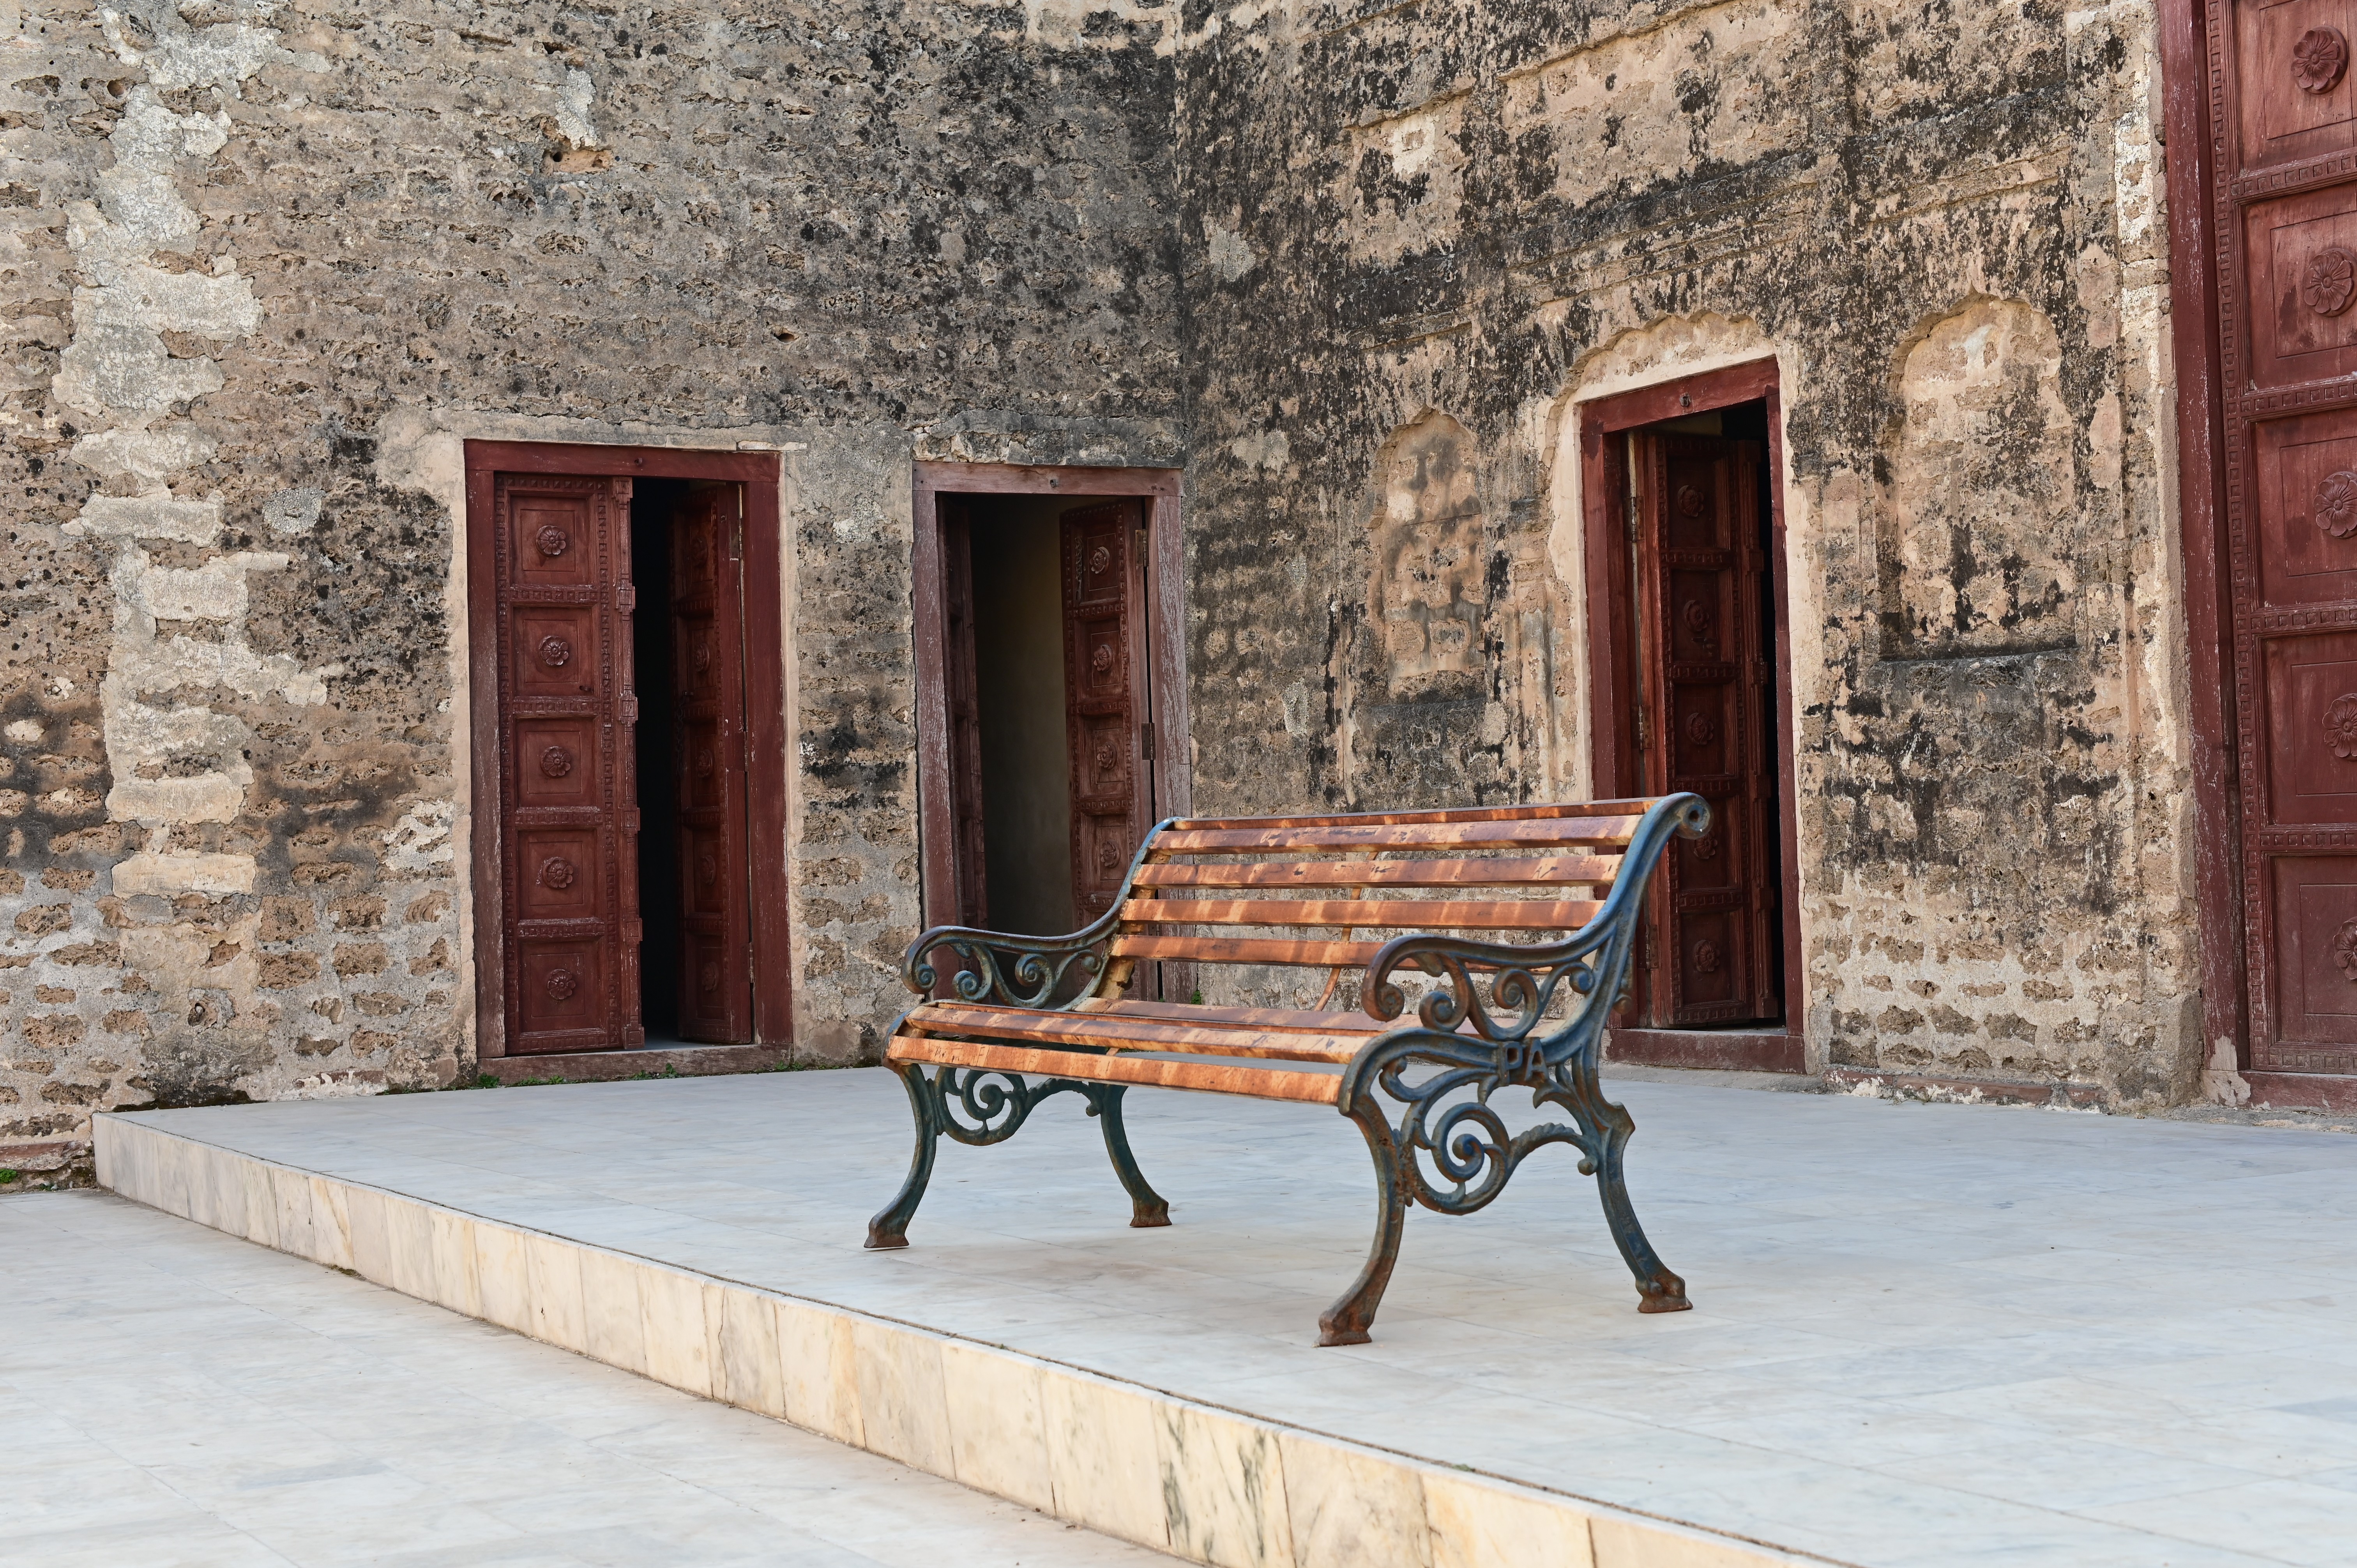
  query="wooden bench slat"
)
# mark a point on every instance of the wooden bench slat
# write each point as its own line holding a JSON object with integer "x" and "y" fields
{"x": 1248, "y": 950}
{"x": 1632, "y": 808}
{"x": 1217, "y": 1077}
{"x": 1134, "y": 1034}
{"x": 1562, "y": 832}
{"x": 1371, "y": 914}
{"x": 1302, "y": 1018}
{"x": 1555, "y": 870}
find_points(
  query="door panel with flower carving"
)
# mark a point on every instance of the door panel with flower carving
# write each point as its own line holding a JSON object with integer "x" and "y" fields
{"x": 2287, "y": 216}
{"x": 1105, "y": 705}
{"x": 569, "y": 822}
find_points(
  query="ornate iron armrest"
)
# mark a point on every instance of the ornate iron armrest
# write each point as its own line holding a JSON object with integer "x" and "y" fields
{"x": 1000, "y": 966}
{"x": 1530, "y": 977}
{"x": 1040, "y": 964}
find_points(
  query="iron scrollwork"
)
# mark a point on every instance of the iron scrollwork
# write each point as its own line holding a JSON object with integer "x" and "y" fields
{"x": 1487, "y": 1025}
{"x": 1452, "y": 1152}
{"x": 981, "y": 1106}
{"x": 993, "y": 966}
{"x": 978, "y": 1106}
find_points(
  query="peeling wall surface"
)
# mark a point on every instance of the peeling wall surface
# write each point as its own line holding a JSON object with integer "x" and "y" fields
{"x": 1411, "y": 229}
{"x": 266, "y": 265}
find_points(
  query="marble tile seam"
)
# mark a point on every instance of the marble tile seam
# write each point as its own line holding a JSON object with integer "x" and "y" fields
{"x": 1220, "y": 1470}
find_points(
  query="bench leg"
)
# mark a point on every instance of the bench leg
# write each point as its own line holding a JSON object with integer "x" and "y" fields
{"x": 891, "y": 1228}
{"x": 1147, "y": 1207}
{"x": 1658, "y": 1290}
{"x": 1347, "y": 1321}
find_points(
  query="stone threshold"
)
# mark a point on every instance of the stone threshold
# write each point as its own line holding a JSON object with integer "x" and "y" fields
{"x": 1203, "y": 1483}
{"x": 1721, "y": 1050}
{"x": 660, "y": 1061}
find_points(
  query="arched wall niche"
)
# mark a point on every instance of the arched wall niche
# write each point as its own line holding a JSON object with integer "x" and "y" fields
{"x": 1450, "y": 686}
{"x": 1981, "y": 469}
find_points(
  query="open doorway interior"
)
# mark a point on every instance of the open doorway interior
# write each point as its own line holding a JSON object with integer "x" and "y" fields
{"x": 695, "y": 968}
{"x": 1048, "y": 698}
{"x": 1700, "y": 515}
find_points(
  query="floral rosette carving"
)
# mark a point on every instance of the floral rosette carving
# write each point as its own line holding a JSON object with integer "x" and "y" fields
{"x": 2318, "y": 58}
{"x": 2328, "y": 281}
{"x": 2336, "y": 504}
{"x": 2344, "y": 948}
{"x": 2341, "y": 726}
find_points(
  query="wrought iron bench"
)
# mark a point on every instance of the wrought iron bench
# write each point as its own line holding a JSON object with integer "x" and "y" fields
{"x": 1035, "y": 1017}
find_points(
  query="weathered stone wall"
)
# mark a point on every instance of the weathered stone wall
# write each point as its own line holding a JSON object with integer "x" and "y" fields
{"x": 1417, "y": 235}
{"x": 267, "y": 263}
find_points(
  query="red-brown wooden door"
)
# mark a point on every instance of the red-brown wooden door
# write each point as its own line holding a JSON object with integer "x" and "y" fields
{"x": 2287, "y": 226}
{"x": 960, "y": 677}
{"x": 716, "y": 991}
{"x": 1713, "y": 952}
{"x": 567, "y": 713}
{"x": 1105, "y": 701}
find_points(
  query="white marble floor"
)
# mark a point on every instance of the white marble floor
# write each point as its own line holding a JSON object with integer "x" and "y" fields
{"x": 169, "y": 1396}
{"x": 1924, "y": 1333}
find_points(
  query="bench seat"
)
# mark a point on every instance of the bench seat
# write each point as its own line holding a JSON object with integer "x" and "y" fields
{"x": 1016, "y": 1019}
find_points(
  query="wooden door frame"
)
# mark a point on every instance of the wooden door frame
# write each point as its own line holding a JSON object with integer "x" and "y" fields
{"x": 2186, "y": 88}
{"x": 765, "y": 703}
{"x": 1612, "y": 682}
{"x": 1173, "y": 768}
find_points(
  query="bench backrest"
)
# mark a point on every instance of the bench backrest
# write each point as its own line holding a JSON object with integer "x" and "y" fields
{"x": 1327, "y": 891}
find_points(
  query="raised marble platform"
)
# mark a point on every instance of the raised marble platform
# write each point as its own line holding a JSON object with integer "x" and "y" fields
{"x": 1924, "y": 1333}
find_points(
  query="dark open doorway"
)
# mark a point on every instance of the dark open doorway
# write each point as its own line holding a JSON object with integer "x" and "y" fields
{"x": 695, "y": 876}
{"x": 1688, "y": 651}
{"x": 624, "y": 626}
{"x": 1049, "y": 693}
{"x": 1047, "y": 685}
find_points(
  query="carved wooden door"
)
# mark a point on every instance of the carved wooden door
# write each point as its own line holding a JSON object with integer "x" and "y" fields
{"x": 715, "y": 973}
{"x": 2286, "y": 233}
{"x": 1712, "y": 946}
{"x": 964, "y": 702}
{"x": 567, "y": 712}
{"x": 1104, "y": 665}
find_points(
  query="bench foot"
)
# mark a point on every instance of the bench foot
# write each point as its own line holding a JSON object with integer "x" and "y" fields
{"x": 1149, "y": 1208}
{"x": 1658, "y": 1290}
{"x": 1346, "y": 1322}
{"x": 889, "y": 1229}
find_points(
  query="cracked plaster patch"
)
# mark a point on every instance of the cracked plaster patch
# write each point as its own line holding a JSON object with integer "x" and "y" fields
{"x": 183, "y": 763}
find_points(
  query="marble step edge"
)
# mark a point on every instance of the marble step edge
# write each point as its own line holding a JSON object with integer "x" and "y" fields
{"x": 1202, "y": 1483}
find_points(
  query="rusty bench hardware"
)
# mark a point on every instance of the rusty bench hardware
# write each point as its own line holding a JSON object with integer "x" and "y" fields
{"x": 1036, "y": 1016}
